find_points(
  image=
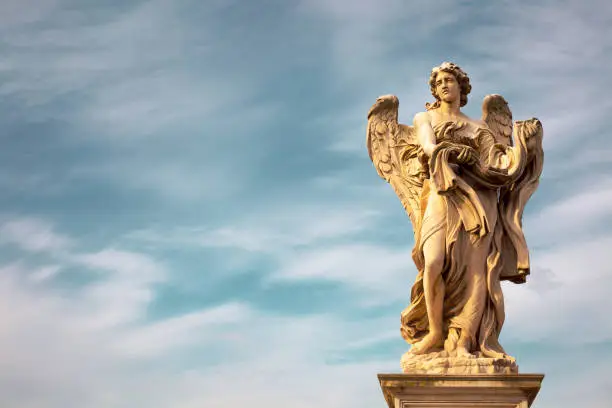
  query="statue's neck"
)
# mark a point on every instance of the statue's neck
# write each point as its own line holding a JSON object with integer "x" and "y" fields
{"x": 449, "y": 109}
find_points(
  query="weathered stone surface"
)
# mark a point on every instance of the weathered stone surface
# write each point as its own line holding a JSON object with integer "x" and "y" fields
{"x": 461, "y": 391}
{"x": 443, "y": 362}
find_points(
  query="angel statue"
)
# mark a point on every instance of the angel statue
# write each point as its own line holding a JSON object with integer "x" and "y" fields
{"x": 464, "y": 184}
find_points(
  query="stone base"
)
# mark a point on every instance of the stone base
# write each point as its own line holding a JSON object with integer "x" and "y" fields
{"x": 460, "y": 391}
{"x": 444, "y": 363}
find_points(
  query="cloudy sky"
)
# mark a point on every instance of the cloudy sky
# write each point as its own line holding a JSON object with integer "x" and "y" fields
{"x": 189, "y": 218}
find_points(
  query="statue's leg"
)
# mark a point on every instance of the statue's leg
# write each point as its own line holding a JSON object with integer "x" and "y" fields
{"x": 476, "y": 282}
{"x": 473, "y": 309}
{"x": 434, "y": 252}
{"x": 498, "y": 300}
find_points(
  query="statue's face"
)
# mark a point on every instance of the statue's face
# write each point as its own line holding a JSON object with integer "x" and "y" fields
{"x": 447, "y": 87}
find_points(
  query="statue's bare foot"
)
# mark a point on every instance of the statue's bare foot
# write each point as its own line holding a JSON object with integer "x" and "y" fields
{"x": 501, "y": 356}
{"x": 462, "y": 351}
{"x": 463, "y": 347}
{"x": 430, "y": 342}
{"x": 505, "y": 357}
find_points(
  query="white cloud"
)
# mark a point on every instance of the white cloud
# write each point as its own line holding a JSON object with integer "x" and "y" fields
{"x": 374, "y": 271}
{"x": 308, "y": 243}
{"x": 44, "y": 273}
{"x": 129, "y": 265}
{"x": 365, "y": 38}
{"x": 565, "y": 307}
{"x": 191, "y": 329}
{"x": 133, "y": 82}
{"x": 383, "y": 334}
{"x": 32, "y": 235}
{"x": 125, "y": 290}
{"x": 583, "y": 209}
{"x": 52, "y": 359}
{"x": 136, "y": 69}
{"x": 83, "y": 54}
{"x": 272, "y": 230}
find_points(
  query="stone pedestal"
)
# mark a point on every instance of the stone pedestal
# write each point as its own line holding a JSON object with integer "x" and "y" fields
{"x": 460, "y": 391}
{"x": 449, "y": 363}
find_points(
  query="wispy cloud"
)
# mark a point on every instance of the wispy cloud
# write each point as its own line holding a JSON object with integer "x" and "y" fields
{"x": 32, "y": 235}
{"x": 271, "y": 230}
{"x": 365, "y": 38}
{"x": 566, "y": 312}
{"x": 44, "y": 273}
{"x": 578, "y": 214}
{"x": 83, "y": 363}
{"x": 123, "y": 81}
{"x": 373, "y": 271}
{"x": 125, "y": 289}
{"x": 191, "y": 329}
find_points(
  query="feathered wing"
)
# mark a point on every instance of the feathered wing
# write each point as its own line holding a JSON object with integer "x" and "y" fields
{"x": 498, "y": 117}
{"x": 396, "y": 155}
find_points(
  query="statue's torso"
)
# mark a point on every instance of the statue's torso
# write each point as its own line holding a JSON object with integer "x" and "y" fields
{"x": 464, "y": 131}
{"x": 461, "y": 129}
{"x": 436, "y": 118}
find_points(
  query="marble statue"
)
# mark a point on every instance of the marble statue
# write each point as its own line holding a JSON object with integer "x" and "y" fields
{"x": 464, "y": 183}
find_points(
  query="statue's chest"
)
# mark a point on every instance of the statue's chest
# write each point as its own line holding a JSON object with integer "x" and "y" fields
{"x": 455, "y": 132}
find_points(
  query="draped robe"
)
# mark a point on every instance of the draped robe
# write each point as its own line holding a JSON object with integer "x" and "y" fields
{"x": 478, "y": 208}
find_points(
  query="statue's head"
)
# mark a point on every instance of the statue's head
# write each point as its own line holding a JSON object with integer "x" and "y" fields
{"x": 461, "y": 78}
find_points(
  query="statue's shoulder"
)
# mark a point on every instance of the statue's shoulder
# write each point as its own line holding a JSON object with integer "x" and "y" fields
{"x": 421, "y": 118}
{"x": 475, "y": 123}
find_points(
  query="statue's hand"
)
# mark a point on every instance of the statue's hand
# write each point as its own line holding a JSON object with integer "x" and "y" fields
{"x": 467, "y": 155}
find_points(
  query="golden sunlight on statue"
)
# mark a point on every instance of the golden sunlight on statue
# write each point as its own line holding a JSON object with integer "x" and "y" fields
{"x": 464, "y": 184}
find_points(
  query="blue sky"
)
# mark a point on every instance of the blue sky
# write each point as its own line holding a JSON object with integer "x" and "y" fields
{"x": 189, "y": 218}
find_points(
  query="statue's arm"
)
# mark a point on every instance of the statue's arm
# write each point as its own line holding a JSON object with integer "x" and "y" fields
{"x": 425, "y": 133}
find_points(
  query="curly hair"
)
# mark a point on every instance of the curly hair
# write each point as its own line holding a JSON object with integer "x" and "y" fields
{"x": 458, "y": 73}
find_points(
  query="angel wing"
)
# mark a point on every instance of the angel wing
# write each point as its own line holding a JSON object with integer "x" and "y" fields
{"x": 397, "y": 155}
{"x": 498, "y": 117}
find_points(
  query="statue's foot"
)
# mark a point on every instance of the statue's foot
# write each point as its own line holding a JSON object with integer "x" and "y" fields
{"x": 462, "y": 351}
{"x": 505, "y": 357}
{"x": 464, "y": 345}
{"x": 429, "y": 343}
{"x": 500, "y": 356}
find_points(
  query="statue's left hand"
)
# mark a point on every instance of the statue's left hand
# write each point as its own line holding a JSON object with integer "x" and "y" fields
{"x": 467, "y": 155}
